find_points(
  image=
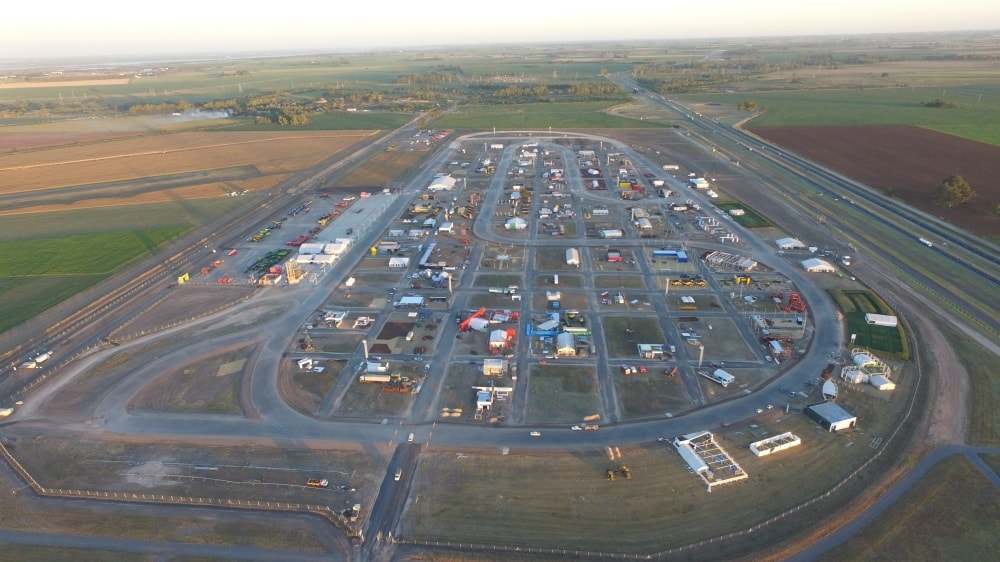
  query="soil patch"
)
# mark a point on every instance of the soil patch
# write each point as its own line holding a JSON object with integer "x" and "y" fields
{"x": 906, "y": 162}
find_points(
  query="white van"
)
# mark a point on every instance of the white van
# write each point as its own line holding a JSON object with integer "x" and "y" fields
{"x": 409, "y": 336}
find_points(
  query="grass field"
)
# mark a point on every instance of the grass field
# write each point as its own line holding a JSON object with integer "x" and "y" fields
{"x": 652, "y": 394}
{"x": 573, "y": 115}
{"x": 854, "y": 305}
{"x": 561, "y": 394}
{"x": 40, "y": 273}
{"x": 644, "y": 329}
{"x": 951, "y": 514}
{"x": 880, "y": 106}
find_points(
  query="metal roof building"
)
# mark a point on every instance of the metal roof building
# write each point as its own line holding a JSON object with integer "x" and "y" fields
{"x": 831, "y": 416}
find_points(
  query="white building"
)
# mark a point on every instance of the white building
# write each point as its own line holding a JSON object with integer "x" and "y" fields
{"x": 789, "y": 244}
{"x": 816, "y": 265}
{"x": 442, "y": 183}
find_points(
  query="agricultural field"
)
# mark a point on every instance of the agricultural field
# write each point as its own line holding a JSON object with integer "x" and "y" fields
{"x": 950, "y": 514}
{"x": 883, "y": 105}
{"x": 921, "y": 159}
{"x": 854, "y": 305}
{"x": 40, "y": 273}
{"x": 155, "y": 168}
{"x": 381, "y": 169}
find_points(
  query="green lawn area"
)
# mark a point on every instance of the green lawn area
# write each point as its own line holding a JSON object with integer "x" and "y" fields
{"x": 570, "y": 115}
{"x": 951, "y": 514}
{"x": 40, "y": 273}
{"x": 644, "y": 329}
{"x": 854, "y": 305}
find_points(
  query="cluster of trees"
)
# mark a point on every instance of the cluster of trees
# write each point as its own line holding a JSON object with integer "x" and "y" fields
{"x": 427, "y": 78}
{"x": 159, "y": 108}
{"x": 953, "y": 191}
{"x": 940, "y": 104}
{"x": 583, "y": 91}
{"x": 748, "y": 105}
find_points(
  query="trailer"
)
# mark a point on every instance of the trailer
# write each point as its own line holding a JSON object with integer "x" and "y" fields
{"x": 375, "y": 377}
{"x": 719, "y": 376}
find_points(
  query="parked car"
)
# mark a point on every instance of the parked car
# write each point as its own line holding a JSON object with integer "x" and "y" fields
{"x": 536, "y": 434}
{"x": 576, "y": 428}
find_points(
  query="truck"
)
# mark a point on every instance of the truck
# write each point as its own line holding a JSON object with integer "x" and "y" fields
{"x": 375, "y": 377}
{"x": 317, "y": 482}
{"x": 926, "y": 242}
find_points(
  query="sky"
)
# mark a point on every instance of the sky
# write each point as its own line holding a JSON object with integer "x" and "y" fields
{"x": 126, "y": 30}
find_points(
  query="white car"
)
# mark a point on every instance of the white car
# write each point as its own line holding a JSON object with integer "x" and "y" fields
{"x": 536, "y": 434}
{"x": 399, "y": 474}
{"x": 576, "y": 428}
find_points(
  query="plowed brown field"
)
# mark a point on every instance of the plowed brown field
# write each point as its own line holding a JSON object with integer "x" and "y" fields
{"x": 908, "y": 162}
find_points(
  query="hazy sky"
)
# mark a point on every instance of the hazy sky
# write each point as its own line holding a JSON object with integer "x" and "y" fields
{"x": 59, "y": 28}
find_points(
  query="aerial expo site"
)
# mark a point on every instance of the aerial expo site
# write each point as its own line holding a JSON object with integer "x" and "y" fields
{"x": 549, "y": 284}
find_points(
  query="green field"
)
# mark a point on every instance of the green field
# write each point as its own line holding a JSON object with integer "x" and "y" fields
{"x": 40, "y": 273}
{"x": 880, "y": 106}
{"x": 951, "y": 514}
{"x": 561, "y": 394}
{"x": 340, "y": 121}
{"x": 854, "y": 305}
{"x": 571, "y": 115}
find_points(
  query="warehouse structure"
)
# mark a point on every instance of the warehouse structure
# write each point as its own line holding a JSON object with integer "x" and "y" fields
{"x": 831, "y": 416}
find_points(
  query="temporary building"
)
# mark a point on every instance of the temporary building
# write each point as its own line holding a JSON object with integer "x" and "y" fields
{"x": 442, "y": 183}
{"x": 396, "y": 262}
{"x": 498, "y": 339}
{"x": 816, "y": 265}
{"x": 789, "y": 244}
{"x": 882, "y": 383}
{"x": 565, "y": 344}
{"x": 311, "y": 248}
{"x": 881, "y": 320}
{"x": 831, "y": 416}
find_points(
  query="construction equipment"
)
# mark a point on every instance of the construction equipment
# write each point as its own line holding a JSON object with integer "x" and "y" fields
{"x": 626, "y": 472}
{"x": 611, "y": 475}
{"x": 795, "y": 303}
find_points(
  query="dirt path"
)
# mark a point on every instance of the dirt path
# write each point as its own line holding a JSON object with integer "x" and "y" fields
{"x": 949, "y": 403}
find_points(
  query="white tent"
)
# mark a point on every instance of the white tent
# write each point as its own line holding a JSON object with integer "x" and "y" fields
{"x": 789, "y": 244}
{"x": 442, "y": 182}
{"x": 816, "y": 265}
